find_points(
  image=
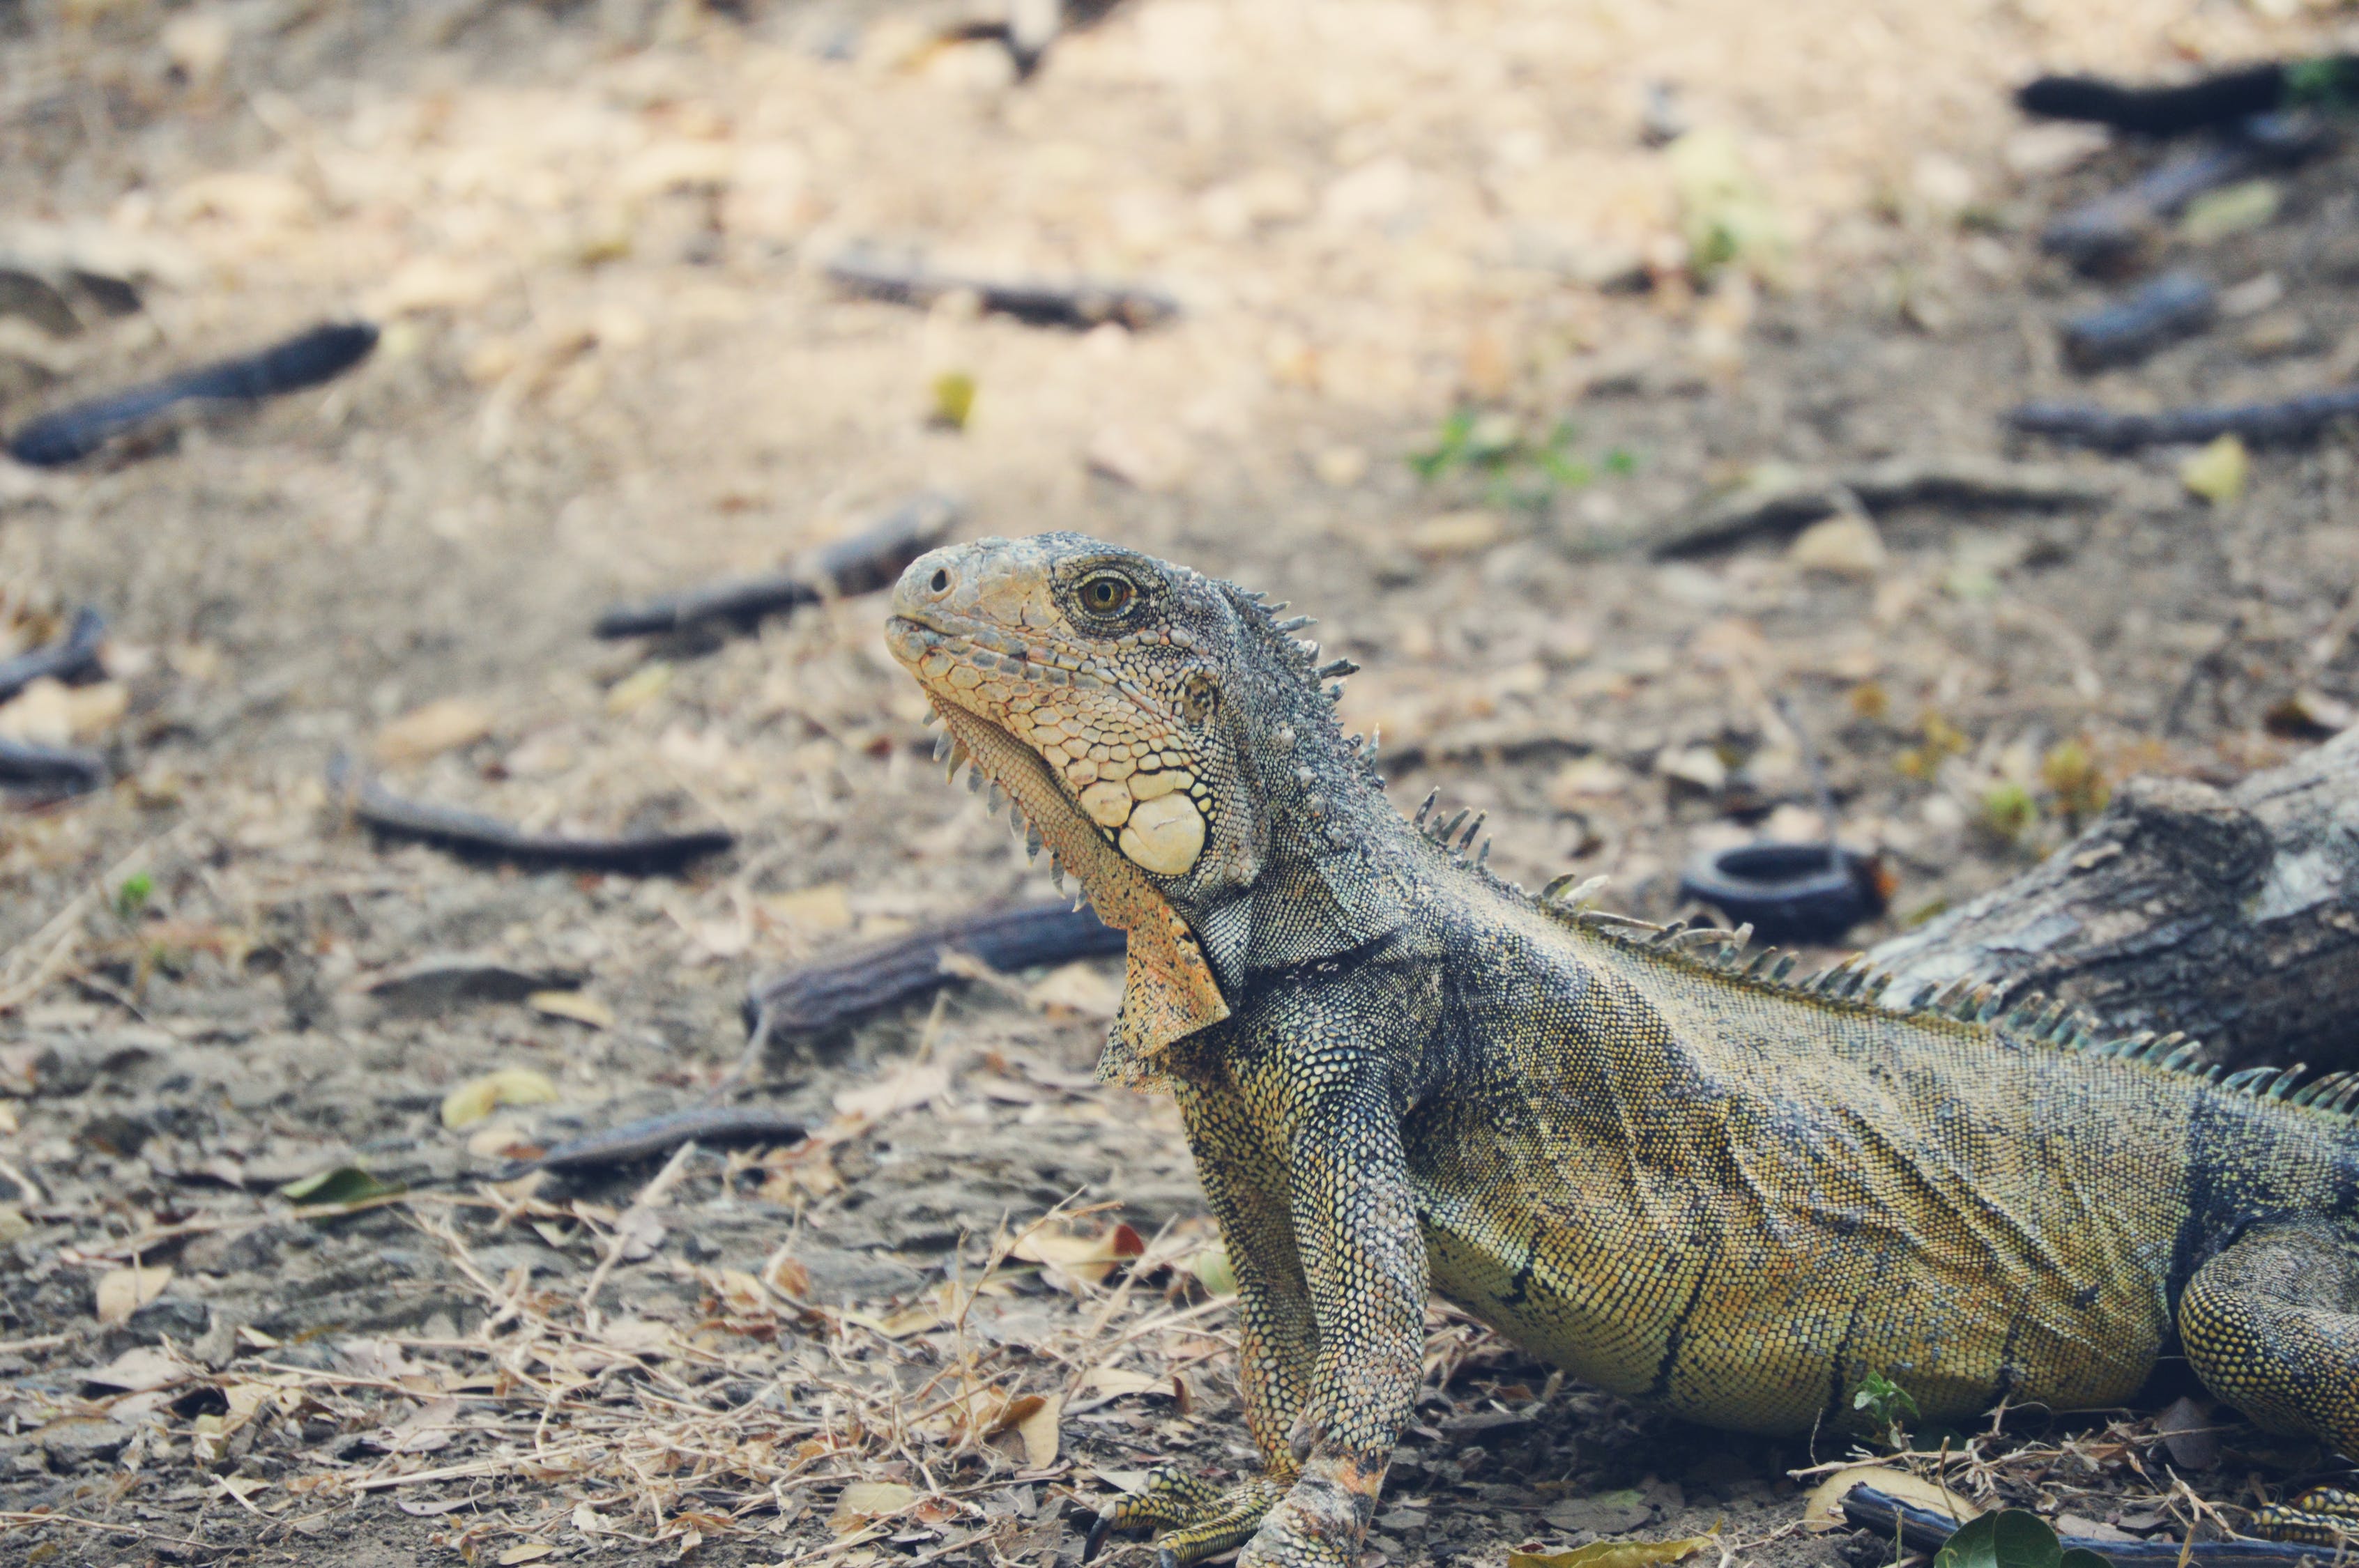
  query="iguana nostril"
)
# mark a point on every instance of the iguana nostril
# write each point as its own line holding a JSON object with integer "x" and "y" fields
{"x": 940, "y": 581}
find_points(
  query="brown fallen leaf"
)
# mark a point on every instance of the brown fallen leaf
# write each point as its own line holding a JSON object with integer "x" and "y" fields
{"x": 444, "y": 725}
{"x": 864, "y": 1500}
{"x": 1038, "y": 1429}
{"x": 1078, "y": 1258}
{"x": 122, "y": 1291}
{"x": 1612, "y": 1554}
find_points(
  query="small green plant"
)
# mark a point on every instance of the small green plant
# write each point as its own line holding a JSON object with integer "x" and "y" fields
{"x": 1888, "y": 1404}
{"x": 1513, "y": 468}
{"x": 2009, "y": 811}
{"x": 2012, "y": 1537}
{"x": 2321, "y": 83}
{"x": 132, "y": 896}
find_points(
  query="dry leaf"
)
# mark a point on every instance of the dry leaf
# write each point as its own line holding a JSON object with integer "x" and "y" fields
{"x": 1612, "y": 1554}
{"x": 638, "y": 688}
{"x": 529, "y": 1551}
{"x": 122, "y": 1291}
{"x": 866, "y": 1500}
{"x": 40, "y": 714}
{"x": 580, "y": 1007}
{"x": 1083, "y": 989}
{"x": 1038, "y": 1429}
{"x": 1085, "y": 1258}
{"x": 1116, "y": 1381}
{"x": 906, "y": 1089}
{"x": 1456, "y": 533}
{"x": 138, "y": 1369}
{"x": 429, "y": 731}
{"x": 91, "y": 710}
{"x": 812, "y": 911}
{"x": 478, "y": 1097}
{"x": 2218, "y": 472}
{"x": 784, "y": 1274}
{"x": 1824, "y": 1509}
{"x": 500, "y": 1141}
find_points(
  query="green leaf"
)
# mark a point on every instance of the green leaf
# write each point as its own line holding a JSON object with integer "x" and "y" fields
{"x": 2011, "y": 1539}
{"x": 2081, "y": 1557}
{"x": 337, "y": 1184}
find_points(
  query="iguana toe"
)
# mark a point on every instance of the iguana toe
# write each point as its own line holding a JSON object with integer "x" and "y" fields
{"x": 1198, "y": 1520}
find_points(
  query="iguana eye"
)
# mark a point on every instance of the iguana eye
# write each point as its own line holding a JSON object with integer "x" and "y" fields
{"x": 1107, "y": 594}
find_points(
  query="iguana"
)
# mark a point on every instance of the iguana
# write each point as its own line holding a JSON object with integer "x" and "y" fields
{"x": 1665, "y": 1168}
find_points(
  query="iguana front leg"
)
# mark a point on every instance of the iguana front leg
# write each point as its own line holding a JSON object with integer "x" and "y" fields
{"x": 1299, "y": 1150}
{"x": 1320, "y": 1076}
{"x": 1245, "y": 1183}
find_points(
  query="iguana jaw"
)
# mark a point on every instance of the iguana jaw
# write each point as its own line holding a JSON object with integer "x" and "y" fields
{"x": 1168, "y": 990}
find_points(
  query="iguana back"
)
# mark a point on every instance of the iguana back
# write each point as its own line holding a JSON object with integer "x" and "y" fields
{"x": 1741, "y": 1199}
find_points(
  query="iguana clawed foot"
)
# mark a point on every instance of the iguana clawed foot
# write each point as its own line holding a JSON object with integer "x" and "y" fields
{"x": 1198, "y": 1518}
{"x": 2323, "y": 1516}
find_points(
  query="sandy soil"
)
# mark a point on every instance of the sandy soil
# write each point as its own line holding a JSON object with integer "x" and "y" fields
{"x": 612, "y": 363}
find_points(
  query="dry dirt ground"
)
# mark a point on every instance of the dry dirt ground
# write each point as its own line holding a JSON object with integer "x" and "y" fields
{"x": 612, "y": 363}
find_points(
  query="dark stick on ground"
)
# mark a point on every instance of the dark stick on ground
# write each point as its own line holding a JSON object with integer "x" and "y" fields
{"x": 2117, "y": 226}
{"x": 49, "y": 772}
{"x": 2160, "y": 312}
{"x": 306, "y": 360}
{"x": 653, "y": 1135}
{"x": 1084, "y": 304}
{"x": 2225, "y": 98}
{"x": 473, "y": 836}
{"x": 815, "y": 998}
{"x": 861, "y": 563}
{"x": 72, "y": 658}
{"x": 1922, "y": 1530}
{"x": 2303, "y": 418}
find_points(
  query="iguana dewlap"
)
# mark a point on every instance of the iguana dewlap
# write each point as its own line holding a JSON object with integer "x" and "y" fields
{"x": 1664, "y": 1170}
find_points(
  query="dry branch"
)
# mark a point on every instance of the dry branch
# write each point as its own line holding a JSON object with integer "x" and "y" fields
{"x": 2231, "y": 914}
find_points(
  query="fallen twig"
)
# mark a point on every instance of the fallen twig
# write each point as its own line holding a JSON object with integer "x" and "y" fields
{"x": 2295, "y": 420}
{"x": 2104, "y": 231}
{"x": 653, "y": 1135}
{"x": 2224, "y": 98}
{"x": 472, "y": 835}
{"x": 1777, "y": 498}
{"x": 1864, "y": 1507}
{"x": 861, "y": 563}
{"x": 834, "y": 991}
{"x": 2174, "y": 305}
{"x": 650, "y": 1197}
{"x": 54, "y": 770}
{"x": 20, "y": 1518}
{"x": 71, "y": 658}
{"x": 308, "y": 358}
{"x": 1081, "y": 304}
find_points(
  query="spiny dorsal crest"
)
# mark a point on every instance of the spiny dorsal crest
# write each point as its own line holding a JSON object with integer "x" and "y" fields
{"x": 2033, "y": 1018}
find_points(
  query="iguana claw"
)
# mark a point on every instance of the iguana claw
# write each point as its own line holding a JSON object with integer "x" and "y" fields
{"x": 1198, "y": 1519}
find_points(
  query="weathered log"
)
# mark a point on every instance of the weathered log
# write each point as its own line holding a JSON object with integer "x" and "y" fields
{"x": 2232, "y": 915}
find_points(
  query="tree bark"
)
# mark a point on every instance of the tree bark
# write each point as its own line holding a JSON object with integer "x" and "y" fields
{"x": 2232, "y": 916}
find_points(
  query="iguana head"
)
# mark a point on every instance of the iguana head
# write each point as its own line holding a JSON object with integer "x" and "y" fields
{"x": 1172, "y": 747}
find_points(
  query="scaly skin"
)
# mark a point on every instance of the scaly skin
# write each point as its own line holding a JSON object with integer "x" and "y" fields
{"x": 1681, "y": 1180}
